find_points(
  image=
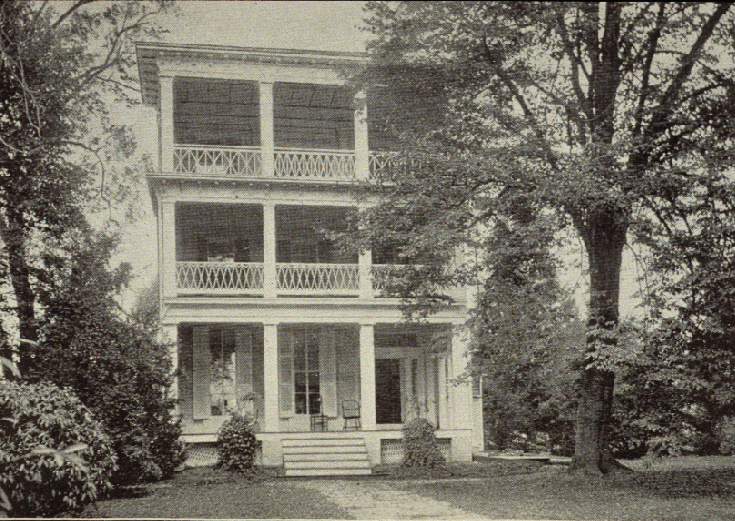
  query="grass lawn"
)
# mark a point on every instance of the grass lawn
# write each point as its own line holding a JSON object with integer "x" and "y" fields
{"x": 691, "y": 489}
{"x": 207, "y": 493}
{"x": 672, "y": 489}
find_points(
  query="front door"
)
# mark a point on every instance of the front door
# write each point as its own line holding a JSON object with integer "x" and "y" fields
{"x": 388, "y": 390}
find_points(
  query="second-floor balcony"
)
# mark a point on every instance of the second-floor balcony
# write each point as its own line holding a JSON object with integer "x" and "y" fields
{"x": 228, "y": 251}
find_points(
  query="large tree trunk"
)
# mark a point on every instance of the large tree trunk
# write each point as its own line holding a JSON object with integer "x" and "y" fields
{"x": 13, "y": 236}
{"x": 604, "y": 234}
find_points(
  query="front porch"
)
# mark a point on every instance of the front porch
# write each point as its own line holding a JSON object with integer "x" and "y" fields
{"x": 299, "y": 379}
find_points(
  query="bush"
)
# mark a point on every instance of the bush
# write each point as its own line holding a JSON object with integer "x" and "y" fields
{"x": 726, "y": 435}
{"x": 421, "y": 448}
{"x": 121, "y": 374}
{"x": 44, "y": 416}
{"x": 236, "y": 444}
{"x": 111, "y": 361}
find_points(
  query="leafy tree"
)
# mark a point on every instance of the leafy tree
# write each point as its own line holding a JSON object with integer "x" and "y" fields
{"x": 60, "y": 65}
{"x": 596, "y": 111}
{"x": 684, "y": 368}
{"x": 112, "y": 363}
{"x": 526, "y": 331}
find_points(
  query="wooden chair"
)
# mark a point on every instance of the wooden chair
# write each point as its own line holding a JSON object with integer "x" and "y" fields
{"x": 351, "y": 414}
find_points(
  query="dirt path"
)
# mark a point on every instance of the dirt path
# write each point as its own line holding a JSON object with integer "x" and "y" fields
{"x": 378, "y": 500}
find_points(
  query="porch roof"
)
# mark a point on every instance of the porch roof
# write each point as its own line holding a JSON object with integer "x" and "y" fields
{"x": 148, "y": 53}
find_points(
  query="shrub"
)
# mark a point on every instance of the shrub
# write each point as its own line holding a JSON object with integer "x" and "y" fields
{"x": 236, "y": 444}
{"x": 726, "y": 435}
{"x": 421, "y": 447}
{"x": 112, "y": 362}
{"x": 121, "y": 374}
{"x": 44, "y": 416}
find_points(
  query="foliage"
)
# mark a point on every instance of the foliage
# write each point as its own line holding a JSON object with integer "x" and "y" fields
{"x": 526, "y": 331}
{"x": 72, "y": 457}
{"x": 61, "y": 66}
{"x": 114, "y": 365}
{"x": 236, "y": 443}
{"x": 577, "y": 107}
{"x": 725, "y": 432}
{"x": 421, "y": 449}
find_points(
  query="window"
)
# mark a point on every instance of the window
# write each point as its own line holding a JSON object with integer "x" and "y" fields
{"x": 222, "y": 379}
{"x": 307, "y": 393}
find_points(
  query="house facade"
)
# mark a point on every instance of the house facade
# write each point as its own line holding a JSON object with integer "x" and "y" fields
{"x": 260, "y": 150}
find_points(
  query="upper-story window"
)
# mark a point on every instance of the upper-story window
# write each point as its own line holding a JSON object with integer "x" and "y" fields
{"x": 216, "y": 112}
{"x": 313, "y": 116}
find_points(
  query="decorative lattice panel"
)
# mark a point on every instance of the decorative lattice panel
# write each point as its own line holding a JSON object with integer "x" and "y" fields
{"x": 387, "y": 164}
{"x": 315, "y": 163}
{"x": 205, "y": 454}
{"x": 219, "y": 276}
{"x": 382, "y": 273}
{"x": 217, "y": 161}
{"x": 391, "y": 450}
{"x": 318, "y": 278}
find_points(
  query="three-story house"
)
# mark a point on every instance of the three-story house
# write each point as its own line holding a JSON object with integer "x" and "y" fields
{"x": 259, "y": 149}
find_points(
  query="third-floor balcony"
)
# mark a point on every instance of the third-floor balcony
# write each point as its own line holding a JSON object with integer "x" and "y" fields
{"x": 214, "y": 128}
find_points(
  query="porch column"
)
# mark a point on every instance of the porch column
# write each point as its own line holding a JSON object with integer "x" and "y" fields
{"x": 367, "y": 376}
{"x": 166, "y": 146}
{"x": 462, "y": 392}
{"x": 170, "y": 337}
{"x": 270, "y": 377}
{"x": 167, "y": 274}
{"x": 269, "y": 250}
{"x": 362, "y": 158}
{"x": 365, "y": 277}
{"x": 266, "y": 128}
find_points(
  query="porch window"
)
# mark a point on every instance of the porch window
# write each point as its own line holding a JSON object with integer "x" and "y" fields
{"x": 222, "y": 347}
{"x": 306, "y": 372}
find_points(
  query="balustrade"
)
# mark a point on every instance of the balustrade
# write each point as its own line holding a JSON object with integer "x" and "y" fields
{"x": 245, "y": 162}
{"x": 217, "y": 161}
{"x": 219, "y": 277}
{"x": 325, "y": 164}
{"x": 332, "y": 279}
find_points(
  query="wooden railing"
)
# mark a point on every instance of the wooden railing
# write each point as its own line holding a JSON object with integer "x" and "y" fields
{"x": 215, "y": 278}
{"x": 247, "y": 278}
{"x": 208, "y": 161}
{"x": 246, "y": 162}
{"x": 317, "y": 279}
{"x": 319, "y": 164}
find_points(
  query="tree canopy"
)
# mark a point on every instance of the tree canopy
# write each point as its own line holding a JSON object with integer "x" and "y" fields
{"x": 597, "y": 112}
{"x": 61, "y": 66}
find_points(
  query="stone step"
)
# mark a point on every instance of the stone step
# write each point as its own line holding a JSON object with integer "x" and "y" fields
{"x": 327, "y": 472}
{"x": 322, "y": 442}
{"x": 326, "y": 456}
{"x": 331, "y": 449}
{"x": 327, "y": 465}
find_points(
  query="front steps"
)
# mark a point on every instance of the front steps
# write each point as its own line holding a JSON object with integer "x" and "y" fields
{"x": 325, "y": 456}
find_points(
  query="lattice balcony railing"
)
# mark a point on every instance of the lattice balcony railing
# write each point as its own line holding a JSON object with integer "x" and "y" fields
{"x": 219, "y": 277}
{"x": 217, "y": 161}
{"x": 325, "y": 164}
{"x": 382, "y": 273}
{"x": 330, "y": 279}
{"x": 383, "y": 164}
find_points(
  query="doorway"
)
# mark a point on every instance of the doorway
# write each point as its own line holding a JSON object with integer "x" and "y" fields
{"x": 388, "y": 390}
